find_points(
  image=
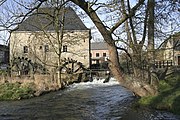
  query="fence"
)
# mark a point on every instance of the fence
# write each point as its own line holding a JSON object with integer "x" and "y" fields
{"x": 163, "y": 64}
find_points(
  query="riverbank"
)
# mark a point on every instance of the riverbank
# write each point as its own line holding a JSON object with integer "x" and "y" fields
{"x": 18, "y": 90}
{"x": 83, "y": 101}
{"x": 23, "y": 87}
{"x": 168, "y": 97}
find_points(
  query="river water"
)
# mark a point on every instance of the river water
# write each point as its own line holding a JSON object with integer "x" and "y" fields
{"x": 84, "y": 101}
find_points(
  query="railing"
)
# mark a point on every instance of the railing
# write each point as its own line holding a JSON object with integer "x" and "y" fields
{"x": 163, "y": 64}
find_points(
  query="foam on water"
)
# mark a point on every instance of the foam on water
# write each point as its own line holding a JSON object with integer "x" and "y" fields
{"x": 95, "y": 83}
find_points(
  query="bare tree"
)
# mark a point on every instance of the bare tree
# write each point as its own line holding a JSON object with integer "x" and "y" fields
{"x": 42, "y": 41}
{"x": 145, "y": 15}
{"x": 107, "y": 35}
{"x": 142, "y": 13}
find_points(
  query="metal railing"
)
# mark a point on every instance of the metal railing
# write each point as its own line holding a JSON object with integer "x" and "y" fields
{"x": 163, "y": 63}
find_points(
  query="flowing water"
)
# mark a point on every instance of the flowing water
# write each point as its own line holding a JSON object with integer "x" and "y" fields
{"x": 84, "y": 101}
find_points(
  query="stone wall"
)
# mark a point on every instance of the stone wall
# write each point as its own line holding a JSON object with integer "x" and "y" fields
{"x": 43, "y": 47}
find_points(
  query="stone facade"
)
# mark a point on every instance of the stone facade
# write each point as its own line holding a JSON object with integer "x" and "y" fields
{"x": 38, "y": 40}
{"x": 172, "y": 49}
{"x": 42, "y": 48}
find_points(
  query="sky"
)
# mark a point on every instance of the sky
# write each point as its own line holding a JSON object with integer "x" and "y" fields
{"x": 95, "y": 34}
{"x": 13, "y": 7}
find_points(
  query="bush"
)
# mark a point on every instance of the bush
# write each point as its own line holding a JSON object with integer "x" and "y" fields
{"x": 15, "y": 91}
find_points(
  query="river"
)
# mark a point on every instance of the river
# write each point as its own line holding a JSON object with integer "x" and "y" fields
{"x": 84, "y": 101}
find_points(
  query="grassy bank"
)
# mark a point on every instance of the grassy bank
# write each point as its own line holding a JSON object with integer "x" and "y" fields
{"x": 16, "y": 88}
{"x": 16, "y": 91}
{"x": 168, "y": 97}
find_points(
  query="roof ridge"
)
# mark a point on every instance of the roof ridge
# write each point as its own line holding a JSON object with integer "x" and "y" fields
{"x": 41, "y": 21}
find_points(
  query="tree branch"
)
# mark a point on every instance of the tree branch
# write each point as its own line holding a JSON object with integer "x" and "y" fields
{"x": 23, "y": 18}
{"x": 145, "y": 26}
{"x": 124, "y": 51}
{"x": 95, "y": 18}
{"x": 131, "y": 13}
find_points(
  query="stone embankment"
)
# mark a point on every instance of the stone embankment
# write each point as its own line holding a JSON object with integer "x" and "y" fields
{"x": 15, "y": 88}
{"x": 24, "y": 87}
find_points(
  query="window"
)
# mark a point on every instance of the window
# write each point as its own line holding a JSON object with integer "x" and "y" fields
{"x": 40, "y": 47}
{"x": 97, "y": 54}
{"x": 65, "y": 48}
{"x": 46, "y": 48}
{"x": 104, "y": 54}
{"x": 25, "y": 49}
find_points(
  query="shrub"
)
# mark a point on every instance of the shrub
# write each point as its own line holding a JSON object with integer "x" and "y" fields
{"x": 15, "y": 91}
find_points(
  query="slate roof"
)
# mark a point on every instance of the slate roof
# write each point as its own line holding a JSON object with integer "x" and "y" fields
{"x": 4, "y": 48}
{"x": 42, "y": 19}
{"x": 177, "y": 45}
{"x": 174, "y": 40}
{"x": 99, "y": 46}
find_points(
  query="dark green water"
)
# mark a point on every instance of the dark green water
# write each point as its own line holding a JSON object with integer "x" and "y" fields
{"x": 85, "y": 101}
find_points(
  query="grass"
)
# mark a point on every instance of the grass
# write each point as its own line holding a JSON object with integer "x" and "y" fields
{"x": 23, "y": 87}
{"x": 168, "y": 97}
{"x": 15, "y": 91}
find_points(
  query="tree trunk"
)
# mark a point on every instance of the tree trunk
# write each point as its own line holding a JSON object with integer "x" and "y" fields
{"x": 150, "y": 47}
{"x": 136, "y": 85}
{"x": 114, "y": 63}
{"x": 59, "y": 35}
